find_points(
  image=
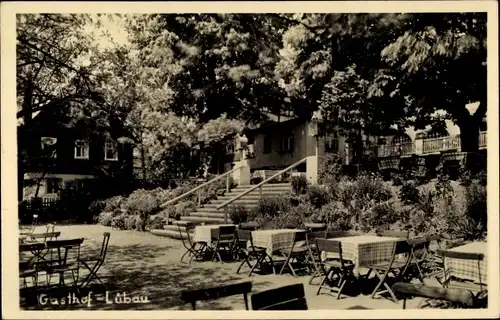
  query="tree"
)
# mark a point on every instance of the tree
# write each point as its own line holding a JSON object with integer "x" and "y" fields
{"x": 439, "y": 62}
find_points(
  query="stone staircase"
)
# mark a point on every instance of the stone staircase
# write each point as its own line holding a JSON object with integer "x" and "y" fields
{"x": 208, "y": 213}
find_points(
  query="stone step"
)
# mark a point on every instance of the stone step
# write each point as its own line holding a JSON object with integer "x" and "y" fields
{"x": 168, "y": 233}
{"x": 239, "y": 201}
{"x": 219, "y": 215}
{"x": 250, "y": 196}
{"x": 203, "y": 219}
{"x": 256, "y": 192}
{"x": 264, "y": 187}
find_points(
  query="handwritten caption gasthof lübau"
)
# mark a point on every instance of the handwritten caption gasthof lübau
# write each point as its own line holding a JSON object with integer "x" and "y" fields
{"x": 90, "y": 299}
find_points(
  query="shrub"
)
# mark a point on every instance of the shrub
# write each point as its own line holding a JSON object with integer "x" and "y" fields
{"x": 481, "y": 177}
{"x": 305, "y": 209}
{"x": 96, "y": 207}
{"x": 119, "y": 221}
{"x": 372, "y": 187}
{"x": 380, "y": 215}
{"x": 318, "y": 196}
{"x": 142, "y": 201}
{"x": 273, "y": 206}
{"x": 113, "y": 203}
{"x": 330, "y": 170}
{"x": 105, "y": 218}
{"x": 300, "y": 184}
{"x": 156, "y": 221}
{"x": 397, "y": 178}
{"x": 238, "y": 213}
{"x": 183, "y": 209}
{"x": 140, "y": 223}
{"x": 409, "y": 193}
{"x": 334, "y": 215}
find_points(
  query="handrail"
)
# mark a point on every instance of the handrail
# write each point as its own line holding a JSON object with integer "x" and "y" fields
{"x": 261, "y": 183}
{"x": 185, "y": 194}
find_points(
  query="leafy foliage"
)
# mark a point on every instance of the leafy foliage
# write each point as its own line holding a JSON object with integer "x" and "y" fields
{"x": 238, "y": 213}
{"x": 300, "y": 184}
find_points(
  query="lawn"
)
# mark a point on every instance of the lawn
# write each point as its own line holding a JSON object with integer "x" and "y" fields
{"x": 144, "y": 265}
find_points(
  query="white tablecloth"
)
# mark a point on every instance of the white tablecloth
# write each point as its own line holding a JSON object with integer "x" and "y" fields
{"x": 204, "y": 233}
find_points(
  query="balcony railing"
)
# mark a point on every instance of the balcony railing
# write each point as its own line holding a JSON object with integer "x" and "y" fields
{"x": 431, "y": 145}
{"x": 402, "y": 149}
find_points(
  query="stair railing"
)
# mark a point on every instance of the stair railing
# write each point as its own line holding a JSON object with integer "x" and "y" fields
{"x": 257, "y": 186}
{"x": 201, "y": 186}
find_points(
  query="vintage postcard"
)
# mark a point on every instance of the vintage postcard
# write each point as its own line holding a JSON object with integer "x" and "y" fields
{"x": 223, "y": 159}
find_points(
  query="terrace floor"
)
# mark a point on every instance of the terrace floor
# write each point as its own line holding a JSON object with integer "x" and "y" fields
{"x": 142, "y": 264}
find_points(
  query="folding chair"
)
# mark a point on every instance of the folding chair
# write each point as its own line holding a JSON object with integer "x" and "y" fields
{"x": 418, "y": 253}
{"x": 331, "y": 268}
{"x": 249, "y": 226}
{"x": 297, "y": 252}
{"x": 331, "y": 234}
{"x": 64, "y": 265}
{"x": 187, "y": 242}
{"x": 213, "y": 293}
{"x": 458, "y": 297}
{"x": 291, "y": 297}
{"x": 97, "y": 262}
{"x": 223, "y": 239}
{"x": 29, "y": 268}
{"x": 434, "y": 263}
{"x": 396, "y": 234}
{"x": 251, "y": 252}
{"x": 397, "y": 267}
{"x": 448, "y": 280}
{"x": 313, "y": 258}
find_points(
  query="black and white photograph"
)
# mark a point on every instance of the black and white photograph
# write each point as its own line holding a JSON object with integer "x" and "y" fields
{"x": 174, "y": 159}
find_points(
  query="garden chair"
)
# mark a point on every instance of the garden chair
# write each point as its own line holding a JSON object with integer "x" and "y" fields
{"x": 223, "y": 239}
{"x": 64, "y": 264}
{"x": 187, "y": 242}
{"x": 249, "y": 226}
{"x": 298, "y": 252}
{"x": 331, "y": 234}
{"x": 457, "y": 297}
{"x": 394, "y": 266}
{"x": 434, "y": 266}
{"x": 213, "y": 293}
{"x": 29, "y": 268}
{"x": 252, "y": 252}
{"x": 396, "y": 234}
{"x": 418, "y": 256}
{"x": 31, "y": 229}
{"x": 331, "y": 268}
{"x": 448, "y": 281}
{"x": 313, "y": 258}
{"x": 93, "y": 264}
{"x": 290, "y": 297}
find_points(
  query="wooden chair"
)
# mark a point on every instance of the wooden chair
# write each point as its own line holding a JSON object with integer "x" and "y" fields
{"x": 252, "y": 226}
{"x": 187, "y": 242}
{"x": 396, "y": 234}
{"x": 298, "y": 252}
{"x": 394, "y": 266}
{"x": 213, "y": 293}
{"x": 29, "y": 268}
{"x": 64, "y": 265}
{"x": 331, "y": 234}
{"x": 291, "y": 297}
{"x": 313, "y": 258}
{"x": 96, "y": 261}
{"x": 448, "y": 281}
{"x": 338, "y": 270}
{"x": 418, "y": 256}
{"x": 435, "y": 265}
{"x": 458, "y": 297}
{"x": 252, "y": 252}
{"x": 223, "y": 239}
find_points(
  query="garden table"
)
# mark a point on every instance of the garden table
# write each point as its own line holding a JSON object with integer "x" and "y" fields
{"x": 364, "y": 250}
{"x": 468, "y": 269}
{"x": 275, "y": 239}
{"x": 204, "y": 233}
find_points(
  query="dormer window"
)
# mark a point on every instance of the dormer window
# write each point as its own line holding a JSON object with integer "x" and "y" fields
{"x": 49, "y": 146}
{"x": 110, "y": 151}
{"x": 81, "y": 149}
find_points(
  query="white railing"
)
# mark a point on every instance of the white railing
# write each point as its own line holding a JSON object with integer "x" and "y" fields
{"x": 401, "y": 149}
{"x": 482, "y": 139}
{"x": 441, "y": 144}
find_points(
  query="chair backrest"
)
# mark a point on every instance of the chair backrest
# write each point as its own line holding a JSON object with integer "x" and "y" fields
{"x": 67, "y": 243}
{"x": 396, "y": 234}
{"x": 461, "y": 255}
{"x": 187, "y": 237}
{"x": 104, "y": 246}
{"x": 47, "y": 236}
{"x": 249, "y": 226}
{"x": 419, "y": 245}
{"x": 244, "y": 235}
{"x": 312, "y": 236}
{"x": 454, "y": 295}
{"x": 291, "y": 297}
{"x": 300, "y": 236}
{"x": 217, "y": 292}
{"x": 401, "y": 246}
{"x": 336, "y": 234}
{"x": 31, "y": 247}
{"x": 328, "y": 246}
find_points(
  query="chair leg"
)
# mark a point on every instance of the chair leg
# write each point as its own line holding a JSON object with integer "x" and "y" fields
{"x": 241, "y": 264}
{"x": 259, "y": 260}
{"x": 321, "y": 285}
{"x": 391, "y": 293}
{"x": 341, "y": 288}
{"x": 381, "y": 281}
{"x": 185, "y": 253}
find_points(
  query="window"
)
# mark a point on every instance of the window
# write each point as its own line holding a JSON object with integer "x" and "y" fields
{"x": 267, "y": 144}
{"x": 331, "y": 143}
{"x": 49, "y": 146}
{"x": 287, "y": 143}
{"x": 110, "y": 151}
{"x": 81, "y": 149}
{"x": 53, "y": 185}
